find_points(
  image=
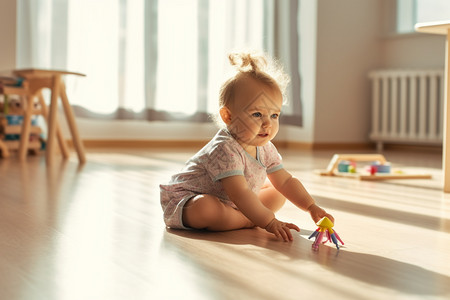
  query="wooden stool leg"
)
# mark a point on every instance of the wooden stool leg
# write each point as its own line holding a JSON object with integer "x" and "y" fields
{"x": 5, "y": 151}
{"x": 446, "y": 135}
{"x": 26, "y": 126}
{"x": 61, "y": 141}
{"x": 52, "y": 119}
{"x": 72, "y": 124}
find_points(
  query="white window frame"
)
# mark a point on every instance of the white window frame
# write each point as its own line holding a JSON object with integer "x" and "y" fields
{"x": 406, "y": 16}
{"x": 410, "y": 12}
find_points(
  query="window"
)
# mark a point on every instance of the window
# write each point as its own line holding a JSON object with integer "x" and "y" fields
{"x": 153, "y": 59}
{"x": 109, "y": 40}
{"x": 410, "y": 12}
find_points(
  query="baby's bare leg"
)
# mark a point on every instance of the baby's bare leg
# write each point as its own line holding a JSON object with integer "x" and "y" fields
{"x": 270, "y": 197}
{"x": 208, "y": 212}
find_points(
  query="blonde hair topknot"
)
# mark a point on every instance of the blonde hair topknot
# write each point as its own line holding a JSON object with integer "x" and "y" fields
{"x": 258, "y": 66}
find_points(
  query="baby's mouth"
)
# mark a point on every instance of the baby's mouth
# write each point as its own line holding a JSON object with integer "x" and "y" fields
{"x": 263, "y": 134}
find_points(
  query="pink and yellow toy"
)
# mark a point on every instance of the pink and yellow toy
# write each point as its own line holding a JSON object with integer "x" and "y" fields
{"x": 325, "y": 227}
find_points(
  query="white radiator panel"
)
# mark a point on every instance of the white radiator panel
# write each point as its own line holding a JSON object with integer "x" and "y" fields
{"x": 407, "y": 106}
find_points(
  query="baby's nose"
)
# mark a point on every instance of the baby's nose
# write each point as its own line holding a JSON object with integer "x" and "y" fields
{"x": 266, "y": 122}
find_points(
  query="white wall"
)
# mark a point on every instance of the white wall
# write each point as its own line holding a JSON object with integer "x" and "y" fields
{"x": 347, "y": 49}
{"x": 352, "y": 38}
{"x": 416, "y": 50}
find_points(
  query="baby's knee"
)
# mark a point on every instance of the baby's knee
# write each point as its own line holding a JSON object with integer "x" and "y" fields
{"x": 202, "y": 211}
{"x": 208, "y": 207}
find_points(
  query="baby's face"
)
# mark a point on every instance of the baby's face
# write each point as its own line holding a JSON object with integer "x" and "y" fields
{"x": 255, "y": 113}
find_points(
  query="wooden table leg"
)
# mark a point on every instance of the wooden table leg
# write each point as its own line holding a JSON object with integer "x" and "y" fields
{"x": 4, "y": 149}
{"x": 446, "y": 135}
{"x": 72, "y": 124}
{"x": 61, "y": 141}
{"x": 52, "y": 119}
{"x": 26, "y": 126}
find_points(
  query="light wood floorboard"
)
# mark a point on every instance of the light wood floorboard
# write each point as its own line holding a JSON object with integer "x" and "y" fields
{"x": 96, "y": 232}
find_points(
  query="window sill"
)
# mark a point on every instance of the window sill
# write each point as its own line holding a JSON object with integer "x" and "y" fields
{"x": 404, "y": 35}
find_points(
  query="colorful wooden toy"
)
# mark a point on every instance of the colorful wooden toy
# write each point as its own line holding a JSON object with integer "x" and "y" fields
{"x": 341, "y": 166}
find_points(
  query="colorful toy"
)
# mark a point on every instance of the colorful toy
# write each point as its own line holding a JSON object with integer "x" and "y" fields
{"x": 347, "y": 166}
{"x": 325, "y": 227}
{"x": 377, "y": 167}
{"x": 344, "y": 165}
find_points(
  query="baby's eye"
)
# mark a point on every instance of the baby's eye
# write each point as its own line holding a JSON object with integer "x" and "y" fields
{"x": 274, "y": 116}
{"x": 257, "y": 115}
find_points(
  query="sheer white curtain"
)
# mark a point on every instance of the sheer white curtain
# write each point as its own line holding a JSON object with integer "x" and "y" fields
{"x": 149, "y": 59}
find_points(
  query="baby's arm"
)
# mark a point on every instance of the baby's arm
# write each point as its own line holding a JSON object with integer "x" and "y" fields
{"x": 294, "y": 190}
{"x": 248, "y": 203}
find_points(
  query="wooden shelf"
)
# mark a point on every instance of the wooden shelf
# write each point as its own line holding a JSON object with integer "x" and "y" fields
{"x": 17, "y": 129}
{"x": 13, "y": 90}
{"x": 6, "y": 146}
{"x": 14, "y": 145}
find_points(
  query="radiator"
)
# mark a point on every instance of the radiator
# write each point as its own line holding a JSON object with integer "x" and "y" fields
{"x": 407, "y": 106}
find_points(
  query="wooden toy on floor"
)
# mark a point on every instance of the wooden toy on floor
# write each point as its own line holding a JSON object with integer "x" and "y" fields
{"x": 344, "y": 165}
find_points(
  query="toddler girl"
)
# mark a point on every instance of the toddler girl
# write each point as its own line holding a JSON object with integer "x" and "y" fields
{"x": 224, "y": 186}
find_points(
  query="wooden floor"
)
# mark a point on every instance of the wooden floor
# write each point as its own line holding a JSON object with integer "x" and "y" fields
{"x": 96, "y": 232}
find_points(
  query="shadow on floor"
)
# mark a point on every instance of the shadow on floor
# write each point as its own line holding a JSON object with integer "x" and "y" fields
{"x": 371, "y": 269}
{"x": 392, "y": 215}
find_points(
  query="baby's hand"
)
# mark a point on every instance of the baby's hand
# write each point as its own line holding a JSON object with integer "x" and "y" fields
{"x": 318, "y": 213}
{"x": 281, "y": 229}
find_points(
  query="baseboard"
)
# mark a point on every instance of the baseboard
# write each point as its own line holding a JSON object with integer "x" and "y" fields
{"x": 324, "y": 146}
{"x": 343, "y": 146}
{"x": 416, "y": 148}
{"x": 199, "y": 144}
{"x": 127, "y": 144}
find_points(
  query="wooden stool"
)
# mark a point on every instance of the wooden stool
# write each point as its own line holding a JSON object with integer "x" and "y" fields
{"x": 443, "y": 28}
{"x": 34, "y": 81}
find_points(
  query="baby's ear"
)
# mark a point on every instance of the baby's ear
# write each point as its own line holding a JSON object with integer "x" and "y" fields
{"x": 225, "y": 114}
